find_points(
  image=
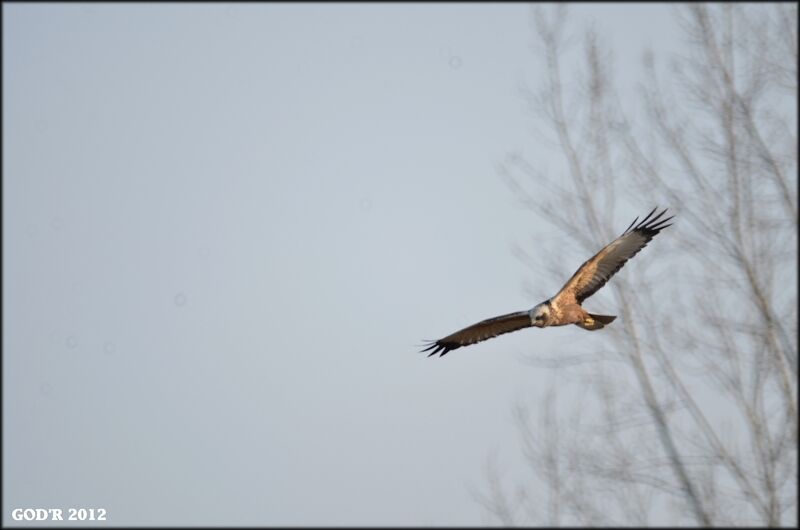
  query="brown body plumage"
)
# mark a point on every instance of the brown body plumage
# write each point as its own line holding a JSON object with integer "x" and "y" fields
{"x": 565, "y": 307}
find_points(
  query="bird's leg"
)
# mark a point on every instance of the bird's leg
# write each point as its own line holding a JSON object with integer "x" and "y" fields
{"x": 575, "y": 314}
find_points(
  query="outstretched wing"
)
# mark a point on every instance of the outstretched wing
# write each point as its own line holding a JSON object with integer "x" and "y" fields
{"x": 485, "y": 329}
{"x": 596, "y": 271}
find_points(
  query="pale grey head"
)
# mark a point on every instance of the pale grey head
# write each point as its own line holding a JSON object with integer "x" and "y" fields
{"x": 540, "y": 314}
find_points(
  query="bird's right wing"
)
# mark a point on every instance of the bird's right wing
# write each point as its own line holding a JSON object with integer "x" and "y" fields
{"x": 485, "y": 329}
{"x": 597, "y": 270}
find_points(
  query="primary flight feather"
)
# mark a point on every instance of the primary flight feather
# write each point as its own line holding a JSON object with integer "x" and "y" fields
{"x": 565, "y": 307}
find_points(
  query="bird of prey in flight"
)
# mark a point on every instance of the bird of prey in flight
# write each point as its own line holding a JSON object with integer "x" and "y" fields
{"x": 565, "y": 307}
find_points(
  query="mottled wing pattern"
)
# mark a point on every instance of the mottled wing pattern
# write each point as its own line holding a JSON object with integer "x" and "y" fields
{"x": 485, "y": 329}
{"x": 595, "y": 272}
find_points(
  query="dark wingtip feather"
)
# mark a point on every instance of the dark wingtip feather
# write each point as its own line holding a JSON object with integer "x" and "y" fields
{"x": 652, "y": 226}
{"x": 630, "y": 225}
{"x": 661, "y": 225}
{"x": 648, "y": 216}
{"x": 648, "y": 223}
{"x": 428, "y": 347}
{"x": 657, "y": 217}
{"x": 435, "y": 347}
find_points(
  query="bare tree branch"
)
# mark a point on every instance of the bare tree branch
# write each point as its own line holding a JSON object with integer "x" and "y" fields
{"x": 706, "y": 413}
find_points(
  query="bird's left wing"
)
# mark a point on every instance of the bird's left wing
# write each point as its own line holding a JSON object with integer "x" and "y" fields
{"x": 485, "y": 329}
{"x": 596, "y": 271}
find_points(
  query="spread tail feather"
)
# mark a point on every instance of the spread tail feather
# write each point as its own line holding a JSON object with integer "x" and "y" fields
{"x": 593, "y": 322}
{"x": 603, "y": 319}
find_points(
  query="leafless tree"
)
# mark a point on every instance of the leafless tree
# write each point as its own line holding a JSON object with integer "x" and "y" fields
{"x": 688, "y": 410}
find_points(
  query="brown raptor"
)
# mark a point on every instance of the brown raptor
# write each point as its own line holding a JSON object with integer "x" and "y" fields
{"x": 565, "y": 307}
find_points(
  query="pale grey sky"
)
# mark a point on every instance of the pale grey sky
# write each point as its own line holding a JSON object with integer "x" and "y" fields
{"x": 227, "y": 229}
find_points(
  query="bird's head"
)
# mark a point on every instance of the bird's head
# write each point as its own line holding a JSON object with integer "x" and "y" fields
{"x": 540, "y": 314}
